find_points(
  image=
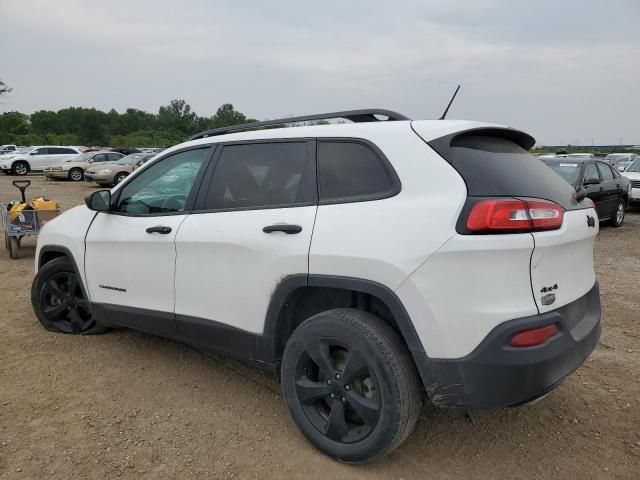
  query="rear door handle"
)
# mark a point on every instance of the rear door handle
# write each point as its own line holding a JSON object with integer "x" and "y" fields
{"x": 159, "y": 229}
{"x": 288, "y": 229}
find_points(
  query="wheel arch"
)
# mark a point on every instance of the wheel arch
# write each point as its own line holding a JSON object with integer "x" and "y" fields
{"x": 52, "y": 252}
{"x": 288, "y": 308}
{"x": 23, "y": 160}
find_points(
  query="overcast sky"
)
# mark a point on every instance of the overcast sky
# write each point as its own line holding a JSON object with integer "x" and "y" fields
{"x": 565, "y": 71}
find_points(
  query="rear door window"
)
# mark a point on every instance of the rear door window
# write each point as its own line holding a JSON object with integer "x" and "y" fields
{"x": 605, "y": 172}
{"x": 591, "y": 174}
{"x": 262, "y": 175}
{"x": 353, "y": 171}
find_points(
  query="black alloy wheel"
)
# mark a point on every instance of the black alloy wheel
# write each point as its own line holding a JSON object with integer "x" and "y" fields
{"x": 350, "y": 384}
{"x": 59, "y": 302}
{"x": 338, "y": 391}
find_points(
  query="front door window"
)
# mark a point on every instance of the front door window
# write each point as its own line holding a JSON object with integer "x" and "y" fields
{"x": 164, "y": 187}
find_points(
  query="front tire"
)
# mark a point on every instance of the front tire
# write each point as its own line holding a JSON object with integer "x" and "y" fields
{"x": 618, "y": 215}
{"x": 20, "y": 168}
{"x": 76, "y": 174}
{"x": 58, "y": 300}
{"x": 350, "y": 385}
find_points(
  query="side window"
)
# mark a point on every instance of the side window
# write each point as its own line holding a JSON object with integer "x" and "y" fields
{"x": 114, "y": 157}
{"x": 353, "y": 171}
{"x": 605, "y": 172}
{"x": 262, "y": 175}
{"x": 100, "y": 157}
{"x": 163, "y": 188}
{"x": 591, "y": 174}
{"x": 41, "y": 151}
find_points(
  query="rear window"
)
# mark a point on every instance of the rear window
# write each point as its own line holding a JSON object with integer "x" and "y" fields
{"x": 569, "y": 171}
{"x": 353, "y": 171}
{"x": 492, "y": 166}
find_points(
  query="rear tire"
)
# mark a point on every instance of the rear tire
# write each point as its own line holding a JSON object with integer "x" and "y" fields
{"x": 119, "y": 178}
{"x": 350, "y": 385}
{"x": 618, "y": 215}
{"x": 14, "y": 248}
{"x": 58, "y": 300}
{"x": 76, "y": 175}
{"x": 20, "y": 168}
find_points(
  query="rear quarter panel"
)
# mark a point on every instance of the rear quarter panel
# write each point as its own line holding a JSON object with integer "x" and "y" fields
{"x": 386, "y": 240}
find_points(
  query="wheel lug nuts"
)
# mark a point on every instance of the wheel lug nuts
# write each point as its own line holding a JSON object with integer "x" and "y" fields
{"x": 328, "y": 382}
{"x": 343, "y": 399}
{"x": 337, "y": 376}
{"x": 347, "y": 387}
{"x": 332, "y": 395}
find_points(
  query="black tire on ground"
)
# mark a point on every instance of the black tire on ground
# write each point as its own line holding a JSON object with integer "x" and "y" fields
{"x": 58, "y": 300}
{"x": 14, "y": 248}
{"x": 618, "y": 215}
{"x": 351, "y": 385}
{"x": 20, "y": 168}
{"x": 76, "y": 174}
{"x": 119, "y": 178}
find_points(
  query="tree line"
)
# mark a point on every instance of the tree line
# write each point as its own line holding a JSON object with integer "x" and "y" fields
{"x": 89, "y": 126}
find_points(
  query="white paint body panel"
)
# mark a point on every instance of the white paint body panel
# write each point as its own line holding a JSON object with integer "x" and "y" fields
{"x": 227, "y": 267}
{"x": 385, "y": 240}
{"x": 468, "y": 287}
{"x": 120, "y": 253}
{"x": 564, "y": 257}
{"x": 67, "y": 230}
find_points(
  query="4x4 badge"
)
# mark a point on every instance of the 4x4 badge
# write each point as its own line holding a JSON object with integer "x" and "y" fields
{"x": 591, "y": 222}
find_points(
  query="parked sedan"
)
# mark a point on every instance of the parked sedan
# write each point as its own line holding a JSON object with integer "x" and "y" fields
{"x": 633, "y": 174}
{"x": 603, "y": 184}
{"x": 74, "y": 169}
{"x": 113, "y": 173}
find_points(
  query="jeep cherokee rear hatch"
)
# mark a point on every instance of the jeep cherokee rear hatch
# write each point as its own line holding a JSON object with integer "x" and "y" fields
{"x": 510, "y": 191}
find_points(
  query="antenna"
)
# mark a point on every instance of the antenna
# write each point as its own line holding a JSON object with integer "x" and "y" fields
{"x": 446, "y": 110}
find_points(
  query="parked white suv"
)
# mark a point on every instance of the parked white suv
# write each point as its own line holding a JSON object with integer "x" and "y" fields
{"x": 36, "y": 158}
{"x": 6, "y": 149}
{"x": 362, "y": 263}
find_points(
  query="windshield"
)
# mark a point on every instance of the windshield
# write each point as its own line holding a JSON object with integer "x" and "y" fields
{"x": 569, "y": 171}
{"x": 130, "y": 159}
{"x": 635, "y": 167}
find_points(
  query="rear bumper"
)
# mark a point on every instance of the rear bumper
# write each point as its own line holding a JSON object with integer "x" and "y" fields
{"x": 496, "y": 375}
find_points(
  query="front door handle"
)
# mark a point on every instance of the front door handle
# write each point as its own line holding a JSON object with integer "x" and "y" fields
{"x": 159, "y": 229}
{"x": 288, "y": 229}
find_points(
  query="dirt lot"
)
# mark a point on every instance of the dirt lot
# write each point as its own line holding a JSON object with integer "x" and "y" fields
{"x": 130, "y": 405}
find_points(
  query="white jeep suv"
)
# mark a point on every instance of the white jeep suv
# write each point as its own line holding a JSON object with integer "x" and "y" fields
{"x": 363, "y": 263}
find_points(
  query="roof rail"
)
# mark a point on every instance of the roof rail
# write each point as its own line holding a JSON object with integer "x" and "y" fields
{"x": 358, "y": 116}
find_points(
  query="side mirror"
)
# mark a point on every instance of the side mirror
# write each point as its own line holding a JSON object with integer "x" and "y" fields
{"x": 591, "y": 181}
{"x": 99, "y": 201}
{"x": 621, "y": 168}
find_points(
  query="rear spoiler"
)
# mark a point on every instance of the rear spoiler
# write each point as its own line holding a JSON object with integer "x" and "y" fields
{"x": 443, "y": 144}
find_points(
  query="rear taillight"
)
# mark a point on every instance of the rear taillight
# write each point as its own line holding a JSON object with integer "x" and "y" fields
{"x": 514, "y": 215}
{"x": 533, "y": 337}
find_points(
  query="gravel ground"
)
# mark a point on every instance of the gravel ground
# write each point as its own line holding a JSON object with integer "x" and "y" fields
{"x": 131, "y": 405}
